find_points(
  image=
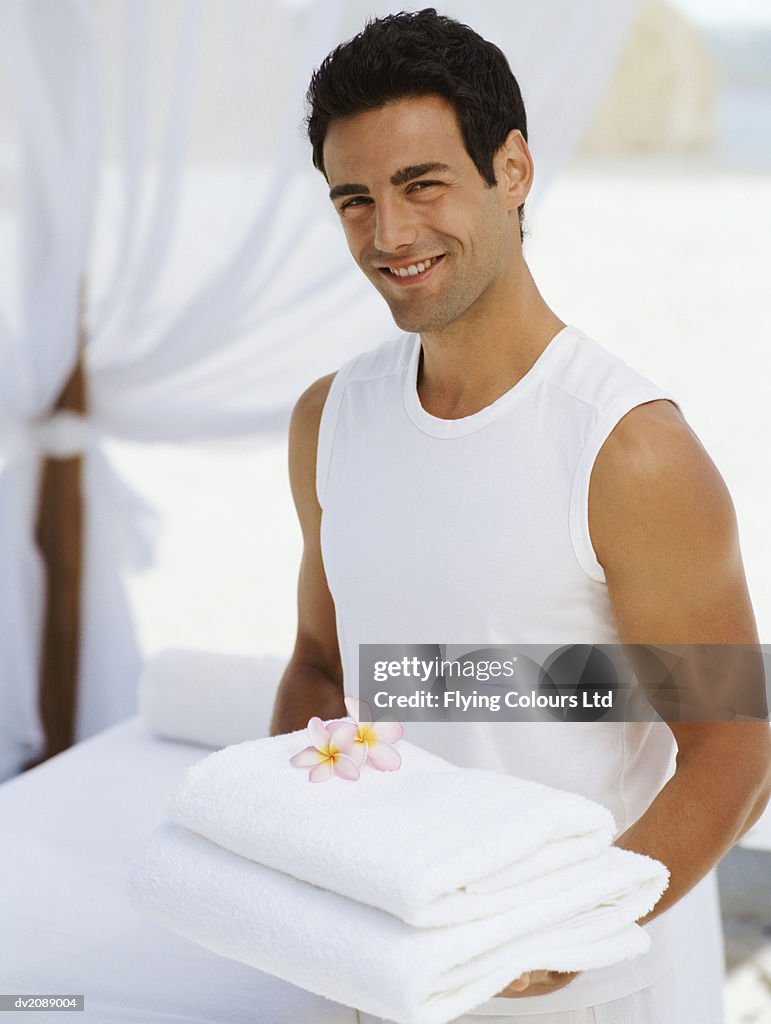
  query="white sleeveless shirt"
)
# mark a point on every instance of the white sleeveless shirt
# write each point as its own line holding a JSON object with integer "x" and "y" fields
{"x": 474, "y": 531}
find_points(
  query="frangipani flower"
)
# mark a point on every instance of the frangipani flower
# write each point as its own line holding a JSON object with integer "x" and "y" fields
{"x": 334, "y": 752}
{"x": 375, "y": 737}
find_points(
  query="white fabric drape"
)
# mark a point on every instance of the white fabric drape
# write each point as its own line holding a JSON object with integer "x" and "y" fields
{"x": 51, "y": 57}
{"x": 215, "y": 289}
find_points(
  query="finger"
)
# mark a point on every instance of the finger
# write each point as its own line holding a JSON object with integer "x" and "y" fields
{"x": 521, "y": 983}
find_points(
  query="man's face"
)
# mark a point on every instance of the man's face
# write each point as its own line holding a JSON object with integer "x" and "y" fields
{"x": 409, "y": 197}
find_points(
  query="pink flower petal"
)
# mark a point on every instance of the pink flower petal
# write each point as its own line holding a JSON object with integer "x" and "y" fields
{"x": 345, "y": 767}
{"x": 333, "y": 723}
{"x": 322, "y": 771}
{"x": 318, "y": 733}
{"x": 355, "y": 707}
{"x": 358, "y": 753}
{"x": 388, "y": 732}
{"x": 307, "y": 757}
{"x": 384, "y": 757}
{"x": 343, "y": 736}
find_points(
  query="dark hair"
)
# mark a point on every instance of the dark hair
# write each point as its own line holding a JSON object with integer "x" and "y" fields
{"x": 420, "y": 54}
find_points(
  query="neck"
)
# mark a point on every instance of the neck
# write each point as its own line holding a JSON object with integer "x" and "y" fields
{"x": 471, "y": 362}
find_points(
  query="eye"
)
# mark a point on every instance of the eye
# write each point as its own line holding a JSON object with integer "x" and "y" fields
{"x": 421, "y": 186}
{"x": 355, "y": 201}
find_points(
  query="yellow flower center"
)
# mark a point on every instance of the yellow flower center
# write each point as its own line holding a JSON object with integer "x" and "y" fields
{"x": 366, "y": 734}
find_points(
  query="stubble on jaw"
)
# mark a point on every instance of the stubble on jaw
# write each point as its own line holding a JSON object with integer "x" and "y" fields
{"x": 417, "y": 313}
{"x": 421, "y": 315}
{"x": 417, "y": 319}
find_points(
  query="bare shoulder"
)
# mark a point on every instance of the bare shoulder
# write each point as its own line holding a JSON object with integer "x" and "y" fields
{"x": 306, "y": 415}
{"x": 663, "y": 527}
{"x": 653, "y": 480}
{"x": 649, "y": 436}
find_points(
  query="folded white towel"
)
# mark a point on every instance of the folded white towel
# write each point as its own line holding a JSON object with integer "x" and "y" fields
{"x": 208, "y": 698}
{"x": 366, "y": 958}
{"x": 431, "y": 843}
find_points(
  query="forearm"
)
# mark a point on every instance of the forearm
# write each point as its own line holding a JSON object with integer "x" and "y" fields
{"x": 705, "y": 808}
{"x": 306, "y": 690}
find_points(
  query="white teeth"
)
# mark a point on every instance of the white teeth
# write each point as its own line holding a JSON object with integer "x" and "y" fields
{"x": 414, "y": 268}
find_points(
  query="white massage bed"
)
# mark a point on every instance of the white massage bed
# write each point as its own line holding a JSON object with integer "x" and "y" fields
{"x": 68, "y": 830}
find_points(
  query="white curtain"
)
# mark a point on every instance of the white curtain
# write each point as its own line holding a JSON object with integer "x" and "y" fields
{"x": 216, "y": 284}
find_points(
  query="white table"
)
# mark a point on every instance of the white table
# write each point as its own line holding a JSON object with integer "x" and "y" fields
{"x": 68, "y": 831}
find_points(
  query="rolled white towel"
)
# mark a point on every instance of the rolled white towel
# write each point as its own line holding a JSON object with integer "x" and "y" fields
{"x": 209, "y": 698}
{"x": 430, "y": 843}
{"x": 363, "y": 957}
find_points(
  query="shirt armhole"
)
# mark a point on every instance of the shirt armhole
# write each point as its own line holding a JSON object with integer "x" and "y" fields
{"x": 328, "y": 426}
{"x": 579, "y": 499}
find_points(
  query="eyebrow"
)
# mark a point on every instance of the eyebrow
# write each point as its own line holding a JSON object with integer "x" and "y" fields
{"x": 416, "y": 171}
{"x": 400, "y": 177}
{"x": 348, "y": 190}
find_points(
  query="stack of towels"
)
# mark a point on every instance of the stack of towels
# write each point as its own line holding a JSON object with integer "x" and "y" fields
{"x": 413, "y": 895}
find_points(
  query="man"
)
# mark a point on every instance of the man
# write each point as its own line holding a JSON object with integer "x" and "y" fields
{"x": 498, "y": 476}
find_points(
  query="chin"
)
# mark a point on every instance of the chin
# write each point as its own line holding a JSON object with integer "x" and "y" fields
{"x": 428, "y": 313}
{"x": 413, "y": 319}
{"x": 410, "y": 324}
{"x": 419, "y": 323}
{"x": 414, "y": 325}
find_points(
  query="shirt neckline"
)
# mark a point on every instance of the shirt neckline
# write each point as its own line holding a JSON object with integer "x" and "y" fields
{"x": 438, "y": 427}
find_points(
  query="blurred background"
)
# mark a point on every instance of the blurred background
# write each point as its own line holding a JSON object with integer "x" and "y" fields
{"x": 172, "y": 279}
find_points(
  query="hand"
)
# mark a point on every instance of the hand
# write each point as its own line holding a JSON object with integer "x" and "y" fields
{"x": 537, "y": 983}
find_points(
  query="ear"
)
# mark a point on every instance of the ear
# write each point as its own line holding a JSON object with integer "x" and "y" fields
{"x": 514, "y": 169}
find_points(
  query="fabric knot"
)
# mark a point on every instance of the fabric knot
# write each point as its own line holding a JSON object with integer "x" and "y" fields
{"x": 64, "y": 435}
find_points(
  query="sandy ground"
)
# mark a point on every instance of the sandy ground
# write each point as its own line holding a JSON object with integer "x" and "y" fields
{"x": 667, "y": 264}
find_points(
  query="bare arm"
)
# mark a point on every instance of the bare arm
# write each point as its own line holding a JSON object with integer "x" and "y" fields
{"x": 312, "y": 683}
{"x": 664, "y": 529}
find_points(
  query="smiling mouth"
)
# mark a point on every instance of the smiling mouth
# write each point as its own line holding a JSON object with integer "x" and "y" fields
{"x": 413, "y": 271}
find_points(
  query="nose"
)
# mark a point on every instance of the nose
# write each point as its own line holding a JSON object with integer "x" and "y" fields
{"x": 394, "y": 227}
